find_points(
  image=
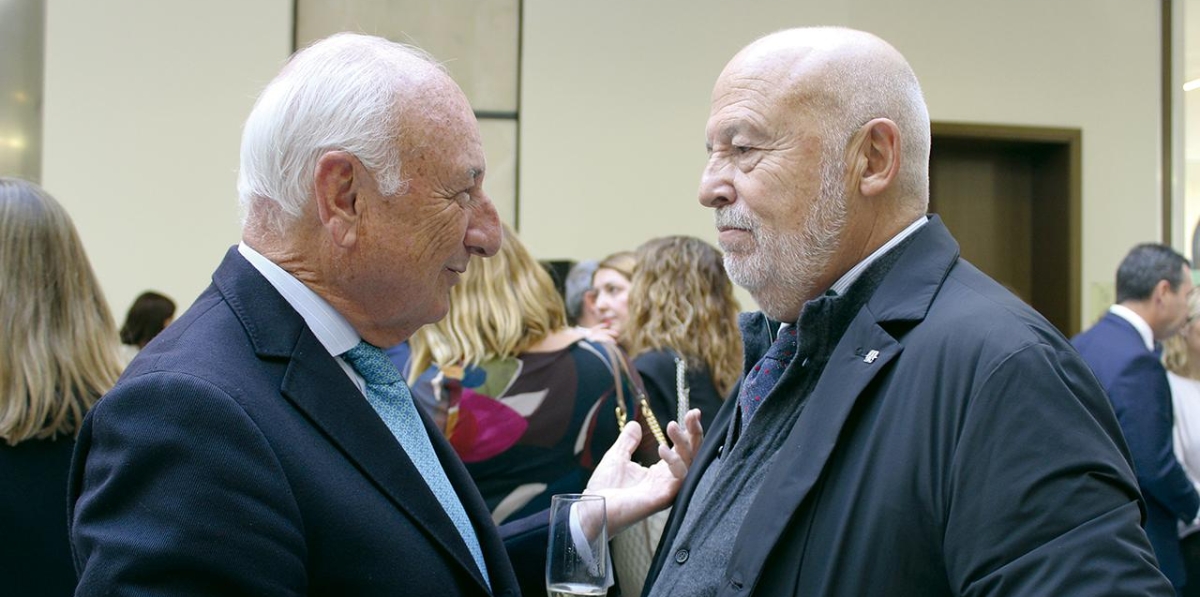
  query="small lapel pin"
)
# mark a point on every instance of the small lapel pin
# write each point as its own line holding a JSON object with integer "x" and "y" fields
{"x": 871, "y": 356}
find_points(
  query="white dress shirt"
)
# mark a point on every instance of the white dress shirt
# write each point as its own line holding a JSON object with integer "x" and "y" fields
{"x": 331, "y": 329}
{"x": 1138, "y": 323}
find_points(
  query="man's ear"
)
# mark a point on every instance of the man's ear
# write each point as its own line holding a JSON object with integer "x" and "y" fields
{"x": 1161, "y": 290}
{"x": 337, "y": 188}
{"x": 876, "y": 156}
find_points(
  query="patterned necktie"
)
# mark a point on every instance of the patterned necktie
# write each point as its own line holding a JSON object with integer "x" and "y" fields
{"x": 766, "y": 373}
{"x": 389, "y": 396}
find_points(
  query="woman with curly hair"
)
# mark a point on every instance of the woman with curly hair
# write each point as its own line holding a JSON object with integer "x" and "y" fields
{"x": 58, "y": 354}
{"x": 682, "y": 328}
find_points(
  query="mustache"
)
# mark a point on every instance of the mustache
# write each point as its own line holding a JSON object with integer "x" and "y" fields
{"x": 734, "y": 216}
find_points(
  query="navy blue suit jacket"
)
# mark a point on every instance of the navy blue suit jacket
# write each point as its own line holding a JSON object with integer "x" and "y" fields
{"x": 1136, "y": 383}
{"x": 235, "y": 457}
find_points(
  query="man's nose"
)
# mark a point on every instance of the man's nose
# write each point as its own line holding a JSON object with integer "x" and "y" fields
{"x": 716, "y": 188}
{"x": 484, "y": 233}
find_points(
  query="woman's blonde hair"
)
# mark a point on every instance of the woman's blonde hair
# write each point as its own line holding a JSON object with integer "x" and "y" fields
{"x": 622, "y": 262}
{"x": 681, "y": 300}
{"x": 1175, "y": 349}
{"x": 502, "y": 306}
{"x": 58, "y": 342}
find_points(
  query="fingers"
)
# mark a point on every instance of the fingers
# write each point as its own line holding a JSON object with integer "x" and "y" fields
{"x": 674, "y": 461}
{"x": 600, "y": 334}
{"x": 613, "y": 468}
{"x": 687, "y": 438}
{"x": 628, "y": 441}
{"x": 692, "y": 421}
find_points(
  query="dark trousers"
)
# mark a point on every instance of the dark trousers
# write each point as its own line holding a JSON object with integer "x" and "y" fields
{"x": 1190, "y": 546}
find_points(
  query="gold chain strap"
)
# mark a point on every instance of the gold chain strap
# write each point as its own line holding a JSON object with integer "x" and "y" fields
{"x": 651, "y": 420}
{"x": 620, "y": 373}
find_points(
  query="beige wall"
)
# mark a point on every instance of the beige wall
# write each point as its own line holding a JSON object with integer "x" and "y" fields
{"x": 143, "y": 113}
{"x": 145, "y": 101}
{"x": 615, "y": 97}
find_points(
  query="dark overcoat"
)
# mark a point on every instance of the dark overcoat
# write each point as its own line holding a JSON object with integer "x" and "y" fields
{"x": 955, "y": 444}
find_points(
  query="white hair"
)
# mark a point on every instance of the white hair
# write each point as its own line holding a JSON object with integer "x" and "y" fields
{"x": 868, "y": 95}
{"x": 341, "y": 93}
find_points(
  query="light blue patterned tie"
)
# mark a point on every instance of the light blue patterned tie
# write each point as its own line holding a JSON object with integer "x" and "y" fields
{"x": 389, "y": 396}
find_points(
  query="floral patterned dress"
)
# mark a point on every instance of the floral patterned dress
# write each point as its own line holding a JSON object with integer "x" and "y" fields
{"x": 532, "y": 426}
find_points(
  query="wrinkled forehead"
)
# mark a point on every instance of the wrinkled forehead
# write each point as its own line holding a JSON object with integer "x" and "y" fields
{"x": 439, "y": 140}
{"x": 764, "y": 91}
{"x": 800, "y": 66}
{"x": 434, "y": 99}
{"x": 437, "y": 112}
{"x": 767, "y": 68}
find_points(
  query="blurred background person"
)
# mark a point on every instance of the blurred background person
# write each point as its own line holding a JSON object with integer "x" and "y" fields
{"x": 683, "y": 319}
{"x": 611, "y": 284}
{"x": 149, "y": 314}
{"x": 58, "y": 354}
{"x": 580, "y": 297}
{"x": 526, "y": 401}
{"x": 1153, "y": 285}
{"x": 1181, "y": 355}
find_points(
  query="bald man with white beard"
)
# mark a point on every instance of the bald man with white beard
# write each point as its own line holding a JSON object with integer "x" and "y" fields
{"x": 906, "y": 426}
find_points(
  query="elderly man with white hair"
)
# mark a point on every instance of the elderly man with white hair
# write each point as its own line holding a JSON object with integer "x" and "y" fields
{"x": 264, "y": 444}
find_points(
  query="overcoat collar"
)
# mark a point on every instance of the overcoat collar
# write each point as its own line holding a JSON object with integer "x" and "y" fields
{"x": 873, "y": 339}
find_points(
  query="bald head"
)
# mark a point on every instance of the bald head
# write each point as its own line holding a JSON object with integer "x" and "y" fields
{"x": 819, "y": 154}
{"x": 846, "y": 78}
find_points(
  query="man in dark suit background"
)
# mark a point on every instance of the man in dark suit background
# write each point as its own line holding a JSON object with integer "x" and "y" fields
{"x": 1153, "y": 284}
{"x": 248, "y": 450}
{"x": 914, "y": 429}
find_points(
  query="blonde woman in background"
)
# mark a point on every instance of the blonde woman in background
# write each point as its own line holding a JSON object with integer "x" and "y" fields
{"x": 526, "y": 401}
{"x": 683, "y": 317}
{"x": 58, "y": 354}
{"x": 1181, "y": 355}
{"x": 610, "y": 286}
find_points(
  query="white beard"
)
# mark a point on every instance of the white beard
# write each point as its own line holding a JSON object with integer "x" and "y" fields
{"x": 780, "y": 269}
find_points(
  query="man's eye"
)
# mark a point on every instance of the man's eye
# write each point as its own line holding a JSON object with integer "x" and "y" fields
{"x": 741, "y": 149}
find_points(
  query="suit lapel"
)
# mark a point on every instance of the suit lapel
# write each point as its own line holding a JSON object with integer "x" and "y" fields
{"x": 318, "y": 387}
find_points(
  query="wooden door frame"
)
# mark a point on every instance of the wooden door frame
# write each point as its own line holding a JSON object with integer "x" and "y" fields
{"x": 1072, "y": 139}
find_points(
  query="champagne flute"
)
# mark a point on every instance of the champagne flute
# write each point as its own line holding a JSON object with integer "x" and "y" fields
{"x": 577, "y": 557}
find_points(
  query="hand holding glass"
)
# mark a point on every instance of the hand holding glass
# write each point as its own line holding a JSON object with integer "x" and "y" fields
{"x": 577, "y": 557}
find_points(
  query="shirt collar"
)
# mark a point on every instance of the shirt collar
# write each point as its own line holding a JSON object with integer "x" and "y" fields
{"x": 851, "y": 276}
{"x": 331, "y": 329}
{"x": 1139, "y": 324}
